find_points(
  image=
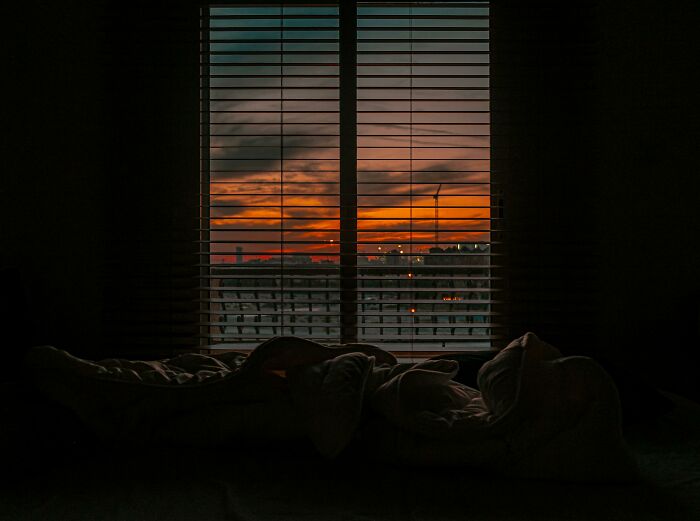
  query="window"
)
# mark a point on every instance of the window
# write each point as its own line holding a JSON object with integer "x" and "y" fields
{"x": 346, "y": 182}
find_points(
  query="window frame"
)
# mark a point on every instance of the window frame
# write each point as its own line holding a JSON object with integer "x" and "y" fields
{"x": 348, "y": 266}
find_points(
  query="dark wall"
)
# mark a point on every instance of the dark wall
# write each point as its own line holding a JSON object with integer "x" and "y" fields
{"x": 53, "y": 182}
{"x": 544, "y": 130}
{"x": 595, "y": 122}
{"x": 649, "y": 105}
{"x": 153, "y": 171}
{"x": 100, "y": 173}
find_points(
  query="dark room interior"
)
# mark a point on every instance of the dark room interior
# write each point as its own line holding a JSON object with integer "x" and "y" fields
{"x": 595, "y": 117}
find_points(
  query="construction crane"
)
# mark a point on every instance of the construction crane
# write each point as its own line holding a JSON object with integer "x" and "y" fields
{"x": 436, "y": 198}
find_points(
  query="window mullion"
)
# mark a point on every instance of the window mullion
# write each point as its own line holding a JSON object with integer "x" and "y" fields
{"x": 348, "y": 170}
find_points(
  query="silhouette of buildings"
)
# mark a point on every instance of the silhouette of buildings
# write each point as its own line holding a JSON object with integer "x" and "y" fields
{"x": 435, "y": 299}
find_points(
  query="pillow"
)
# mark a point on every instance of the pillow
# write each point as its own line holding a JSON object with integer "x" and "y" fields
{"x": 640, "y": 400}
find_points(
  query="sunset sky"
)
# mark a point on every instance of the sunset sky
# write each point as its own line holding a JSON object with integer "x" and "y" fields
{"x": 423, "y": 121}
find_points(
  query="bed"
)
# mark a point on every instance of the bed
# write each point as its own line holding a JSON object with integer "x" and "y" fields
{"x": 64, "y": 472}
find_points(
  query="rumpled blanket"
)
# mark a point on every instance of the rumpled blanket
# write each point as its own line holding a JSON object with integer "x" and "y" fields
{"x": 536, "y": 414}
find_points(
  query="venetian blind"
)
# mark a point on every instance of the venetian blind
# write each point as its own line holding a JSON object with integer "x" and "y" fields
{"x": 346, "y": 183}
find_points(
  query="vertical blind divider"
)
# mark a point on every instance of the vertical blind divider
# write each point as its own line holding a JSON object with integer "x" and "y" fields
{"x": 348, "y": 171}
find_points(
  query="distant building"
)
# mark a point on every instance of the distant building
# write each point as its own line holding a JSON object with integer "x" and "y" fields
{"x": 468, "y": 254}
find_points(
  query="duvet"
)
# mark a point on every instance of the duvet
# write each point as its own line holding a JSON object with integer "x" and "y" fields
{"x": 536, "y": 414}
